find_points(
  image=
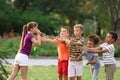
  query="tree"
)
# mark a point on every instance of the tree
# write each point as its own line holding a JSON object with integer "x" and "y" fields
{"x": 114, "y": 13}
{"x": 68, "y": 10}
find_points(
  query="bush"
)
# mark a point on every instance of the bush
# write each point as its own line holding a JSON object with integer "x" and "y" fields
{"x": 10, "y": 46}
{"x": 117, "y": 50}
{"x": 3, "y": 72}
{"x": 45, "y": 49}
{"x": 48, "y": 24}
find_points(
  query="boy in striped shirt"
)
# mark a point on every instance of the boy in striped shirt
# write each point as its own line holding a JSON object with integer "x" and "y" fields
{"x": 108, "y": 50}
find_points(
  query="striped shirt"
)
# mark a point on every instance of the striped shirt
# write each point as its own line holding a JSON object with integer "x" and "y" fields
{"x": 75, "y": 50}
{"x": 108, "y": 57}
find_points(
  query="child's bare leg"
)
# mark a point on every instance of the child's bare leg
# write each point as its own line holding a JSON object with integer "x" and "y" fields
{"x": 15, "y": 71}
{"x": 24, "y": 70}
{"x": 79, "y": 78}
{"x": 60, "y": 76}
{"x": 65, "y": 77}
{"x": 72, "y": 78}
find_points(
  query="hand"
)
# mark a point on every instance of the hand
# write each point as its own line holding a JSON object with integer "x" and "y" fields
{"x": 84, "y": 47}
{"x": 44, "y": 38}
{"x": 88, "y": 50}
{"x": 79, "y": 58}
{"x": 43, "y": 34}
{"x": 38, "y": 31}
{"x": 87, "y": 63}
{"x": 68, "y": 41}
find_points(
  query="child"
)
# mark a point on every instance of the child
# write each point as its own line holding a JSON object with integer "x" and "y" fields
{"x": 63, "y": 52}
{"x": 108, "y": 51}
{"x": 93, "y": 60}
{"x": 27, "y": 40}
{"x": 75, "y": 64}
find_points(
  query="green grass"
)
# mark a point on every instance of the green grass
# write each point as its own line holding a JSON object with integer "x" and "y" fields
{"x": 50, "y": 73}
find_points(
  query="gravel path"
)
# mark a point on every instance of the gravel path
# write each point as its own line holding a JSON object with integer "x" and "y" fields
{"x": 49, "y": 61}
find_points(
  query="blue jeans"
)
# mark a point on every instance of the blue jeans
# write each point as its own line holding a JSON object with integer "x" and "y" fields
{"x": 95, "y": 74}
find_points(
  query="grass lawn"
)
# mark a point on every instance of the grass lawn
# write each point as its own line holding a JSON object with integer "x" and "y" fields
{"x": 50, "y": 73}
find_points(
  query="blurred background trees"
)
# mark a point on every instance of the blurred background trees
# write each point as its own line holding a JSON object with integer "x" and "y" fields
{"x": 97, "y": 16}
{"x": 52, "y": 14}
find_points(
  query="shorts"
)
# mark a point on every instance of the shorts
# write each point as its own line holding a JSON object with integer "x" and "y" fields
{"x": 63, "y": 67}
{"x": 75, "y": 68}
{"x": 21, "y": 59}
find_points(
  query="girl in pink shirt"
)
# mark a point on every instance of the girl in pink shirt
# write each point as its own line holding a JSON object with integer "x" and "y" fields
{"x": 27, "y": 40}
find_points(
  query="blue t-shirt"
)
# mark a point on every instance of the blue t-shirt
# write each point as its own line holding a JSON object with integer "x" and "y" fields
{"x": 90, "y": 57}
{"x": 27, "y": 44}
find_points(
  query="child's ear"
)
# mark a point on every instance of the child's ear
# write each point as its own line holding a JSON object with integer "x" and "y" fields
{"x": 113, "y": 40}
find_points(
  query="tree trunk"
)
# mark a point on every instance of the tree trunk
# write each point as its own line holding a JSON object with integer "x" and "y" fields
{"x": 71, "y": 24}
{"x": 118, "y": 21}
{"x": 114, "y": 12}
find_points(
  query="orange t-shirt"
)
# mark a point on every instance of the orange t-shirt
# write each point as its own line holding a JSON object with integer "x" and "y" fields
{"x": 63, "y": 51}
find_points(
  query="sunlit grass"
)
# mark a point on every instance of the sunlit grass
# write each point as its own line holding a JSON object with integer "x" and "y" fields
{"x": 50, "y": 73}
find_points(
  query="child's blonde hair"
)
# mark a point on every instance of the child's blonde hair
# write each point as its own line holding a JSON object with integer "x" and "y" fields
{"x": 80, "y": 26}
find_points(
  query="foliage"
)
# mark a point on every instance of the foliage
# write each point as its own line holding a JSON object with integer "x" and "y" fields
{"x": 89, "y": 26}
{"x": 50, "y": 14}
{"x": 46, "y": 49}
{"x": 53, "y": 14}
{"x": 117, "y": 50}
{"x": 69, "y": 10}
{"x": 14, "y": 19}
{"x": 3, "y": 72}
{"x": 10, "y": 46}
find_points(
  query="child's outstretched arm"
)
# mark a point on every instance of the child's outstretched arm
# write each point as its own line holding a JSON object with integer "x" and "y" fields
{"x": 96, "y": 50}
{"x": 49, "y": 40}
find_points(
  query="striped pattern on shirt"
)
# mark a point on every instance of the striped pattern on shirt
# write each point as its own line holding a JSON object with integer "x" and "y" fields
{"x": 108, "y": 57}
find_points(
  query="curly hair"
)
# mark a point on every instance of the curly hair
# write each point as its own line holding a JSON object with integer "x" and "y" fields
{"x": 94, "y": 38}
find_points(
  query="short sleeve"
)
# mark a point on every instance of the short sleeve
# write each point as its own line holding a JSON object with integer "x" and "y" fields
{"x": 30, "y": 37}
{"x": 84, "y": 52}
{"x": 102, "y": 45}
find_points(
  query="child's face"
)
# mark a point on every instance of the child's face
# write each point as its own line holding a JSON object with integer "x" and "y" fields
{"x": 64, "y": 33}
{"x": 90, "y": 44}
{"x": 35, "y": 29}
{"x": 109, "y": 38}
{"x": 77, "y": 31}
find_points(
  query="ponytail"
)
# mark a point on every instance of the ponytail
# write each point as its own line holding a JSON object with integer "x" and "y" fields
{"x": 26, "y": 28}
{"x": 24, "y": 32}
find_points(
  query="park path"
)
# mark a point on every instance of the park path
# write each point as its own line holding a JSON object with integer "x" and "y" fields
{"x": 47, "y": 61}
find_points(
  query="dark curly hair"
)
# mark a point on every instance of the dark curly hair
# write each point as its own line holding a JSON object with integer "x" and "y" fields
{"x": 94, "y": 38}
